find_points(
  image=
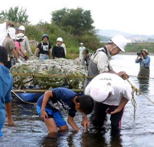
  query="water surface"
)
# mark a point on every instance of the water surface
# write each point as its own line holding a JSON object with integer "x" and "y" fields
{"x": 30, "y": 131}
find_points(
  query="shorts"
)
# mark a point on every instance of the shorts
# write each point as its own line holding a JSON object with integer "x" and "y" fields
{"x": 43, "y": 57}
{"x": 56, "y": 115}
{"x": 1, "y": 134}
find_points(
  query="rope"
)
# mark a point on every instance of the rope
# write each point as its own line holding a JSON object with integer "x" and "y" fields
{"x": 40, "y": 75}
{"x": 137, "y": 92}
{"x": 64, "y": 76}
{"x": 141, "y": 77}
{"x": 21, "y": 98}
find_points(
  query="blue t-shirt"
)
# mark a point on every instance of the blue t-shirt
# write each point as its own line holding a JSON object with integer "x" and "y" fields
{"x": 6, "y": 83}
{"x": 62, "y": 100}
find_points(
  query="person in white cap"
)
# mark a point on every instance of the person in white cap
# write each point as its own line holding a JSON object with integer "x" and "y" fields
{"x": 111, "y": 93}
{"x": 58, "y": 51}
{"x": 144, "y": 59}
{"x": 9, "y": 44}
{"x": 19, "y": 38}
{"x": 25, "y": 42}
{"x": 100, "y": 60}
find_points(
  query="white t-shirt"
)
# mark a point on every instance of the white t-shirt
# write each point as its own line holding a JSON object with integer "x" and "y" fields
{"x": 64, "y": 46}
{"x": 81, "y": 48}
{"x": 121, "y": 88}
{"x": 25, "y": 45}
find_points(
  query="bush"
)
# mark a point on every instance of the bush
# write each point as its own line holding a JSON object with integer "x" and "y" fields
{"x": 137, "y": 47}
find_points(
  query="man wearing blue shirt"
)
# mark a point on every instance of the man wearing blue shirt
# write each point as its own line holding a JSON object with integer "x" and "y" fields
{"x": 6, "y": 82}
{"x": 144, "y": 60}
{"x": 53, "y": 102}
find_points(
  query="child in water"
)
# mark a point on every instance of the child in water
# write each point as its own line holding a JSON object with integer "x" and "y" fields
{"x": 50, "y": 105}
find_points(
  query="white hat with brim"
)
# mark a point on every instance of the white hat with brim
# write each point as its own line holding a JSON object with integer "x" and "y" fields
{"x": 20, "y": 36}
{"x": 100, "y": 90}
{"x": 145, "y": 50}
{"x": 120, "y": 41}
{"x": 11, "y": 31}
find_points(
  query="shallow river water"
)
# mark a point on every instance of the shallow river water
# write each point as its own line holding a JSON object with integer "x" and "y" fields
{"x": 30, "y": 131}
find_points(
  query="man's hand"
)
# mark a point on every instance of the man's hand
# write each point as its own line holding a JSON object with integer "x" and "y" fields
{"x": 85, "y": 123}
{"x": 109, "y": 111}
{"x": 115, "y": 111}
{"x": 26, "y": 58}
{"x": 123, "y": 74}
{"x": 44, "y": 115}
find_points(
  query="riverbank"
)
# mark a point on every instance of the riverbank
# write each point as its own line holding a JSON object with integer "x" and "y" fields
{"x": 133, "y": 53}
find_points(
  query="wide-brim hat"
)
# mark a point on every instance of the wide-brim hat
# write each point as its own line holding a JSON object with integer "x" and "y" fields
{"x": 145, "y": 51}
{"x": 20, "y": 36}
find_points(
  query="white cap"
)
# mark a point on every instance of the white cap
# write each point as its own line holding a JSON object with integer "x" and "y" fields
{"x": 22, "y": 28}
{"x": 20, "y": 36}
{"x": 81, "y": 43}
{"x": 120, "y": 41}
{"x": 60, "y": 39}
{"x": 100, "y": 90}
{"x": 11, "y": 31}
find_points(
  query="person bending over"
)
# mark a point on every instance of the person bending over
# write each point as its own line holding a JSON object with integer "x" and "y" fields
{"x": 111, "y": 93}
{"x": 53, "y": 102}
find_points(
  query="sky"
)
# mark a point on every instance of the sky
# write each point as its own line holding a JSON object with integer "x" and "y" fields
{"x": 130, "y": 16}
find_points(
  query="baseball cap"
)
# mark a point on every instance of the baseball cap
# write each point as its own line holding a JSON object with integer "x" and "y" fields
{"x": 100, "y": 90}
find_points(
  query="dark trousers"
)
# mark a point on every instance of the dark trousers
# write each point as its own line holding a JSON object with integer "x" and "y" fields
{"x": 98, "y": 116}
{"x": 10, "y": 63}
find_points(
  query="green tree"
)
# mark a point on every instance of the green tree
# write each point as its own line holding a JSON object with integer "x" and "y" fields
{"x": 15, "y": 15}
{"x": 75, "y": 21}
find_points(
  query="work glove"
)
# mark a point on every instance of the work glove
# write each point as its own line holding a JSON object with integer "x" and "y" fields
{"x": 26, "y": 58}
{"x": 19, "y": 61}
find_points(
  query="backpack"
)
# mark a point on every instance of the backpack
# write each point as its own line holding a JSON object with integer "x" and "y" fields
{"x": 92, "y": 69}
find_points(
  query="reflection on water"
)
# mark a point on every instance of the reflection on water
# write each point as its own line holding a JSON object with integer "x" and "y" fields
{"x": 30, "y": 131}
{"x": 144, "y": 85}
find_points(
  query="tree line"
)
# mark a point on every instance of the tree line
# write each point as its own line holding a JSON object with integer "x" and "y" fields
{"x": 73, "y": 25}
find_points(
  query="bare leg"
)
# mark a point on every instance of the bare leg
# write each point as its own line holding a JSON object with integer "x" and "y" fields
{"x": 63, "y": 128}
{"x": 52, "y": 128}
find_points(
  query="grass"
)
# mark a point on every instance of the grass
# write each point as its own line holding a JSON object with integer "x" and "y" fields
{"x": 137, "y": 47}
{"x": 73, "y": 52}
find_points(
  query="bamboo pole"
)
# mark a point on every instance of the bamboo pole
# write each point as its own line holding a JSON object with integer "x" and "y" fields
{"x": 39, "y": 90}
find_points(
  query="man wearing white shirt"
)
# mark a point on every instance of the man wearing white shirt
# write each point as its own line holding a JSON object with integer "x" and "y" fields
{"x": 25, "y": 43}
{"x": 110, "y": 93}
{"x": 100, "y": 59}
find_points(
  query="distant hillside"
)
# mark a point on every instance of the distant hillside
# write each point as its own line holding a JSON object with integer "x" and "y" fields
{"x": 103, "y": 38}
{"x": 111, "y": 33}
